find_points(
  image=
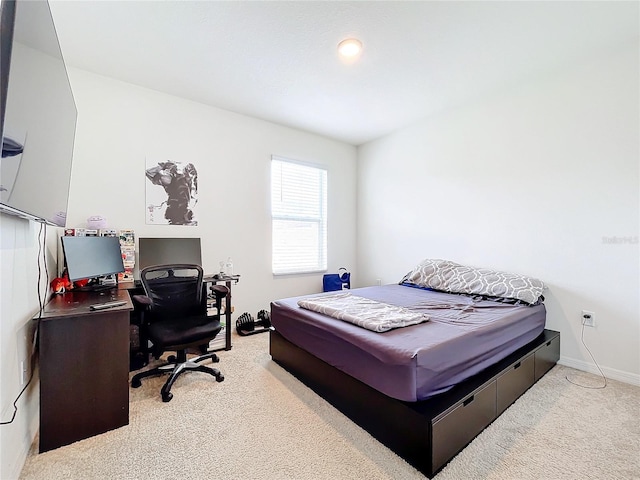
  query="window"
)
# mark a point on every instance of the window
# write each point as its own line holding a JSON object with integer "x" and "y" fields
{"x": 298, "y": 217}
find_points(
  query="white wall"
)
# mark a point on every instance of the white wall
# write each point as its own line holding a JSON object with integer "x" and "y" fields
{"x": 531, "y": 180}
{"x": 120, "y": 124}
{"x": 18, "y": 305}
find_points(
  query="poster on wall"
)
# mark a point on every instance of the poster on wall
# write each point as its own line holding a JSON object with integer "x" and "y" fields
{"x": 171, "y": 193}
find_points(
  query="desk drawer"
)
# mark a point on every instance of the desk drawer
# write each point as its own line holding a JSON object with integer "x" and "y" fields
{"x": 455, "y": 429}
{"x": 514, "y": 382}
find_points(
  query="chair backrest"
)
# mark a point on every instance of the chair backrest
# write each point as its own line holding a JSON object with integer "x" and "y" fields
{"x": 174, "y": 289}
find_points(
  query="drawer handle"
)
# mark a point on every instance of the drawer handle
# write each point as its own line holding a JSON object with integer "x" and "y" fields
{"x": 548, "y": 343}
{"x": 468, "y": 401}
{"x": 517, "y": 365}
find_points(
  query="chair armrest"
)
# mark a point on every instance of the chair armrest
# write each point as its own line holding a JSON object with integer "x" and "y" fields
{"x": 220, "y": 291}
{"x": 142, "y": 300}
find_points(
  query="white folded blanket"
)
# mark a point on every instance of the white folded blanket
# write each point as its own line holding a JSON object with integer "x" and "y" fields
{"x": 366, "y": 313}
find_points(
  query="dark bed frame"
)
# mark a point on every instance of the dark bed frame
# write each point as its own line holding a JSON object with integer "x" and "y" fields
{"x": 429, "y": 433}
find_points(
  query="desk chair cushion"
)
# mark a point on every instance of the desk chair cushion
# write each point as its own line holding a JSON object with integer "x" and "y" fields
{"x": 171, "y": 334}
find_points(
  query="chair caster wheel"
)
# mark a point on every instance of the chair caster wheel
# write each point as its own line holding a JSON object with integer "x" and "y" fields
{"x": 135, "y": 383}
{"x": 220, "y": 378}
{"x": 166, "y": 397}
{"x": 215, "y": 359}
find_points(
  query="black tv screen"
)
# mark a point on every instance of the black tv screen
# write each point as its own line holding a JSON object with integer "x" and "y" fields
{"x": 92, "y": 257}
{"x": 38, "y": 116}
{"x": 162, "y": 251}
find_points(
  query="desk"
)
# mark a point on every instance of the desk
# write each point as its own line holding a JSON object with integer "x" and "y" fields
{"x": 227, "y": 280}
{"x": 84, "y": 367}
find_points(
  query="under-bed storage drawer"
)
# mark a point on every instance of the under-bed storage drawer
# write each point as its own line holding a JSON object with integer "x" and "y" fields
{"x": 514, "y": 381}
{"x": 460, "y": 424}
{"x": 547, "y": 356}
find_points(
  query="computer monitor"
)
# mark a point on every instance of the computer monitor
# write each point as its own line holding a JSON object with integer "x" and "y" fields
{"x": 162, "y": 251}
{"x": 92, "y": 257}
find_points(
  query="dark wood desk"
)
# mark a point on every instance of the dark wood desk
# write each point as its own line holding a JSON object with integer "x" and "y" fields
{"x": 84, "y": 367}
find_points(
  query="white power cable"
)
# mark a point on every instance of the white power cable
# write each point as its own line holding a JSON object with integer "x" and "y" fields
{"x": 594, "y": 361}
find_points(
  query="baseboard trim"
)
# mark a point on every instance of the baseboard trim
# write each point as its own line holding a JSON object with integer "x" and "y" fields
{"x": 17, "y": 463}
{"x": 612, "y": 373}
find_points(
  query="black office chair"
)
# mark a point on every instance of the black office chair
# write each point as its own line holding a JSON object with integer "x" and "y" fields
{"x": 174, "y": 318}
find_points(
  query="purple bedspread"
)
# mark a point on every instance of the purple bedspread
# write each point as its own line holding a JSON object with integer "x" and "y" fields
{"x": 462, "y": 337}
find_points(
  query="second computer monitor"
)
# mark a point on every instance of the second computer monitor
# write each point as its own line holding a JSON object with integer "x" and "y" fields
{"x": 162, "y": 251}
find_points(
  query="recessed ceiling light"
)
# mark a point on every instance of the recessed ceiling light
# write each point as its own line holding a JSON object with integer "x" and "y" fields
{"x": 349, "y": 48}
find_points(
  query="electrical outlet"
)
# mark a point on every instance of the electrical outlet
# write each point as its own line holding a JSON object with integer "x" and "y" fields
{"x": 588, "y": 318}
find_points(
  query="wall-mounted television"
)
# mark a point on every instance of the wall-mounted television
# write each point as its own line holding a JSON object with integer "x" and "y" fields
{"x": 92, "y": 257}
{"x": 37, "y": 117}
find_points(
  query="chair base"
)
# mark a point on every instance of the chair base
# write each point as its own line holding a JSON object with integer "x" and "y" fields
{"x": 175, "y": 367}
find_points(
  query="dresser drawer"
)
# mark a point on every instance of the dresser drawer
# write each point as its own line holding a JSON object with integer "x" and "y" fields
{"x": 514, "y": 382}
{"x": 547, "y": 356}
{"x": 459, "y": 425}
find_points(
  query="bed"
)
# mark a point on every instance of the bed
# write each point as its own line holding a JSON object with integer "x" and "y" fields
{"x": 427, "y": 389}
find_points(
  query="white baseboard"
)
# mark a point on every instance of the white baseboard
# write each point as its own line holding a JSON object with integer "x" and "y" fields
{"x": 13, "y": 469}
{"x": 612, "y": 373}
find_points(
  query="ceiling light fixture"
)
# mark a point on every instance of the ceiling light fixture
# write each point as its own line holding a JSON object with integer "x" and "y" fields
{"x": 349, "y": 48}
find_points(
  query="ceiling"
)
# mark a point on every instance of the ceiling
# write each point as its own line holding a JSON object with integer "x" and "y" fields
{"x": 278, "y": 60}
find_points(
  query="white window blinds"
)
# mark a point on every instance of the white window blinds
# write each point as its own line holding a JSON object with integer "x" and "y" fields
{"x": 298, "y": 217}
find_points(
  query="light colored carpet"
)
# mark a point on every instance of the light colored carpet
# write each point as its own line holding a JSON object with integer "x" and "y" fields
{"x": 261, "y": 423}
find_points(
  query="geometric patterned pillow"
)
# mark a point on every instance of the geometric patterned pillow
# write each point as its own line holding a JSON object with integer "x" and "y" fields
{"x": 451, "y": 277}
